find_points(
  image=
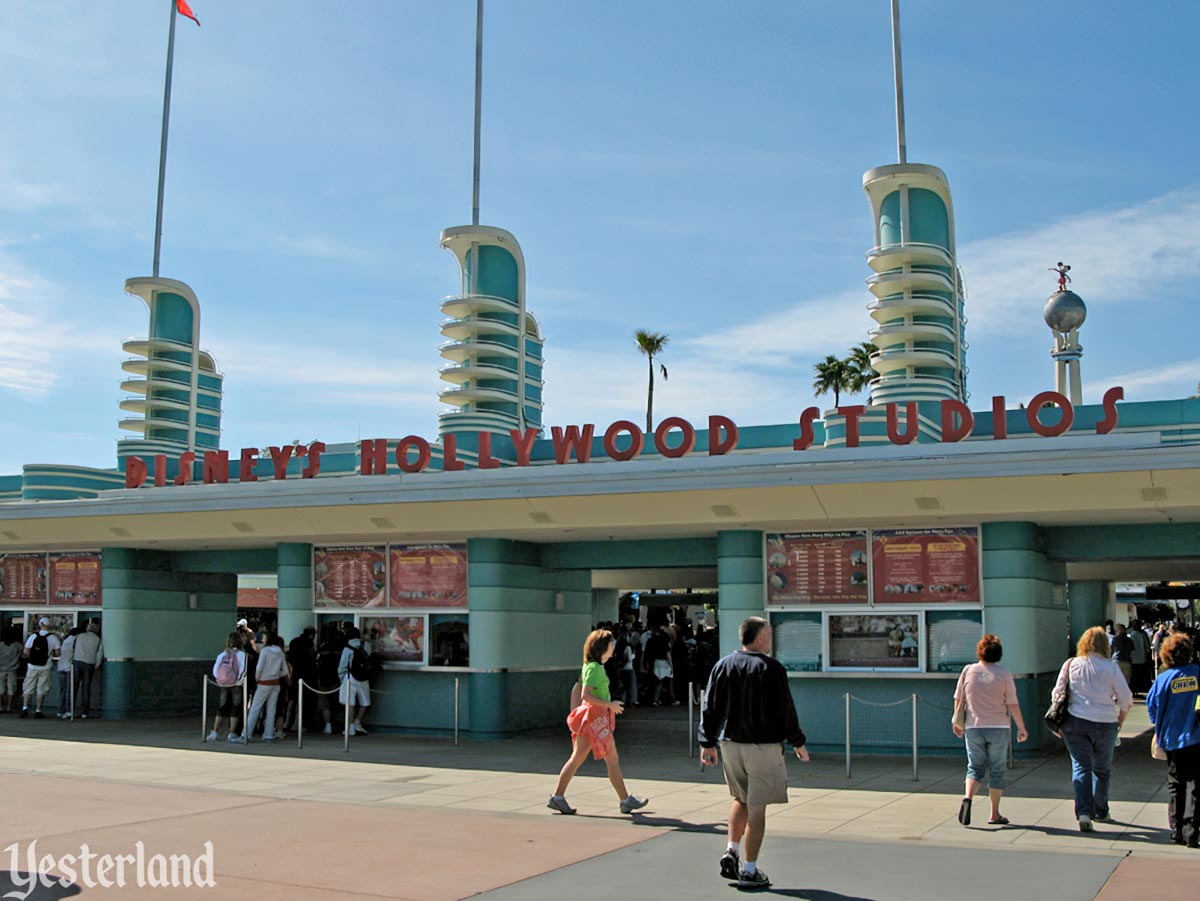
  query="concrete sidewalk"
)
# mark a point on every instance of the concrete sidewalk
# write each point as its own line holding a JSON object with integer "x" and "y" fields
{"x": 420, "y": 818}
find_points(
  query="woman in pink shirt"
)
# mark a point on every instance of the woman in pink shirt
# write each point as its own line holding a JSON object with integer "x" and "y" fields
{"x": 984, "y": 702}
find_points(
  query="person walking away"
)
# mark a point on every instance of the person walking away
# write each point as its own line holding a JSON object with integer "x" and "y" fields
{"x": 228, "y": 671}
{"x": 985, "y": 701}
{"x": 1099, "y": 699}
{"x": 86, "y": 662}
{"x": 749, "y": 713}
{"x": 1122, "y": 652}
{"x": 354, "y": 669}
{"x": 10, "y": 661}
{"x": 1172, "y": 707}
{"x": 629, "y": 684}
{"x": 302, "y": 658}
{"x": 271, "y": 671}
{"x": 592, "y": 726}
{"x": 40, "y": 650}
{"x": 65, "y": 656}
{"x": 1139, "y": 660}
{"x": 658, "y": 654}
{"x": 1155, "y": 643}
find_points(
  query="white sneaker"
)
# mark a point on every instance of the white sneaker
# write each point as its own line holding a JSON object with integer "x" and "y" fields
{"x": 212, "y": 736}
{"x": 237, "y": 739}
{"x": 352, "y": 728}
{"x": 328, "y": 730}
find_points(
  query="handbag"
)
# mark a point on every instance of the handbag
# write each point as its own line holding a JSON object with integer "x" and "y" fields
{"x": 1056, "y": 715}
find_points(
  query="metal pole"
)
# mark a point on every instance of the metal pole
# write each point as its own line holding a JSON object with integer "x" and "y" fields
{"x": 346, "y": 725}
{"x": 300, "y": 714}
{"x": 204, "y": 710}
{"x": 478, "y": 109}
{"x": 901, "y": 143}
{"x": 245, "y": 705}
{"x": 847, "y": 735}
{"x": 456, "y": 707}
{"x": 162, "y": 153}
{"x": 703, "y": 698}
{"x": 691, "y": 728}
{"x": 71, "y": 676}
{"x": 914, "y": 736}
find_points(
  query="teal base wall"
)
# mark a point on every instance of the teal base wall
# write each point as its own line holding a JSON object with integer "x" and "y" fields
{"x": 507, "y": 704}
{"x": 153, "y": 688}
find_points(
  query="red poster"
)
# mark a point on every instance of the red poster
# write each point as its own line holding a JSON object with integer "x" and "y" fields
{"x": 817, "y": 568}
{"x": 349, "y": 577}
{"x": 926, "y": 565}
{"x": 429, "y": 575}
{"x": 258, "y": 598}
{"x": 75, "y": 580}
{"x": 22, "y": 578}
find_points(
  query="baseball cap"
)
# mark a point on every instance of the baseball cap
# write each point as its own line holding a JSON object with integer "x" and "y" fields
{"x": 242, "y": 622}
{"x": 43, "y": 621}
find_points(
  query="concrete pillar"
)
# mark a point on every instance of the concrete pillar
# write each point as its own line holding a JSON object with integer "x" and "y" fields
{"x": 294, "y": 569}
{"x": 740, "y": 587}
{"x": 1091, "y": 603}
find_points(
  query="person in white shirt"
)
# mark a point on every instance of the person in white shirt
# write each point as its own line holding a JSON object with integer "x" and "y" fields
{"x": 65, "y": 656}
{"x": 356, "y": 686}
{"x": 229, "y": 671}
{"x": 86, "y": 661}
{"x": 272, "y": 669}
{"x": 40, "y": 650}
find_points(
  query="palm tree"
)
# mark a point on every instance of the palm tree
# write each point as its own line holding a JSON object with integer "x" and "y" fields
{"x": 832, "y": 375}
{"x": 651, "y": 344}
{"x": 859, "y": 363}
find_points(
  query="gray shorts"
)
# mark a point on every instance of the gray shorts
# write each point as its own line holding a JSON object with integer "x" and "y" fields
{"x": 756, "y": 774}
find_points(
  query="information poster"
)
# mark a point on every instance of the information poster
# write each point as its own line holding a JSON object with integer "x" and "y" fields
{"x": 926, "y": 566}
{"x": 798, "y": 641}
{"x": 817, "y": 568}
{"x": 875, "y": 641}
{"x": 429, "y": 575}
{"x": 953, "y": 637}
{"x": 75, "y": 580}
{"x": 395, "y": 639}
{"x": 349, "y": 577}
{"x": 22, "y": 578}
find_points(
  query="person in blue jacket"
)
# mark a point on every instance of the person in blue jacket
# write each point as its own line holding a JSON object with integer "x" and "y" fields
{"x": 1171, "y": 705}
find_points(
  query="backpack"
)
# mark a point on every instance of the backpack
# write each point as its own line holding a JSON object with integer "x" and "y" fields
{"x": 39, "y": 651}
{"x": 227, "y": 669}
{"x": 360, "y": 665}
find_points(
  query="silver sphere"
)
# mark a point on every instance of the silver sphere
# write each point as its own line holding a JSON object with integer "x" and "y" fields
{"x": 1065, "y": 310}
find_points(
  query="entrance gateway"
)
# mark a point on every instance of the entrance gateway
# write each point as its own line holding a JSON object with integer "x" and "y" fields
{"x": 905, "y": 528}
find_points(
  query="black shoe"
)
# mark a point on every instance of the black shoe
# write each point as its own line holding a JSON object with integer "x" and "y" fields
{"x": 964, "y": 812}
{"x": 757, "y": 880}
{"x": 39, "y": 715}
{"x": 730, "y": 865}
{"x": 1177, "y": 838}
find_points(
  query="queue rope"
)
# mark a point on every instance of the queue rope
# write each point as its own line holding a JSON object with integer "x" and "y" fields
{"x": 880, "y": 704}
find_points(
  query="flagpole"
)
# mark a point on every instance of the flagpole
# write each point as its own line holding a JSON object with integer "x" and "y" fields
{"x": 901, "y": 141}
{"x": 162, "y": 154}
{"x": 478, "y": 107}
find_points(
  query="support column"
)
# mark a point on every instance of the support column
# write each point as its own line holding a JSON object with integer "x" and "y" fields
{"x": 605, "y": 604}
{"x": 1091, "y": 603}
{"x": 740, "y": 589}
{"x": 294, "y": 569}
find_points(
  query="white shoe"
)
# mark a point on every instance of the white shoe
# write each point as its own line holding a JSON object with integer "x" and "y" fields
{"x": 352, "y": 728}
{"x": 328, "y": 730}
{"x": 212, "y": 736}
{"x": 238, "y": 739}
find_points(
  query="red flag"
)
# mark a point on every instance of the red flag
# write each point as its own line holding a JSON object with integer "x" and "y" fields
{"x": 185, "y": 10}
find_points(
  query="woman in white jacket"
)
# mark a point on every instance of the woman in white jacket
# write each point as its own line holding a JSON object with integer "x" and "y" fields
{"x": 271, "y": 670}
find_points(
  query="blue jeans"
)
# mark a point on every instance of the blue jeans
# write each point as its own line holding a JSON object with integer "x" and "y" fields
{"x": 83, "y": 686}
{"x": 987, "y": 754}
{"x": 1091, "y": 747}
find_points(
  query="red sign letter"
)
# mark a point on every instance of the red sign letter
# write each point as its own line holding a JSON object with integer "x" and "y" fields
{"x": 216, "y": 467}
{"x": 717, "y": 446}
{"x": 807, "y": 435}
{"x": 160, "y": 470}
{"x": 957, "y": 421}
{"x": 246, "y": 469}
{"x": 1045, "y": 399}
{"x": 314, "y": 460}
{"x": 135, "y": 472}
{"x": 373, "y": 457}
{"x": 572, "y": 440}
{"x": 685, "y": 446}
{"x": 186, "y": 459}
{"x": 999, "y": 418}
{"x": 523, "y": 444}
{"x": 450, "y": 461}
{"x": 636, "y": 440}
{"x": 911, "y": 425}
{"x": 1109, "y": 422}
{"x": 486, "y": 460}
{"x": 423, "y": 454}
{"x": 280, "y": 457}
{"x": 852, "y": 414}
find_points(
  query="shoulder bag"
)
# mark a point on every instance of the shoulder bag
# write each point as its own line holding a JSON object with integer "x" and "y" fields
{"x": 1056, "y": 715}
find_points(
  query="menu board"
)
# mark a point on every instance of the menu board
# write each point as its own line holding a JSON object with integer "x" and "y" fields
{"x": 926, "y": 565}
{"x": 429, "y": 575}
{"x": 75, "y": 580}
{"x": 817, "y": 568}
{"x": 349, "y": 577}
{"x": 398, "y": 639}
{"x": 22, "y": 578}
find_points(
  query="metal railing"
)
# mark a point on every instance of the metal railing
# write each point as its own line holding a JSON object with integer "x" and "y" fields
{"x": 911, "y": 700}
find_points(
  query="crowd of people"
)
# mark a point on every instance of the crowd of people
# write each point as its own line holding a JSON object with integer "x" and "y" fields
{"x": 28, "y": 669}
{"x": 653, "y": 665}
{"x": 258, "y": 671}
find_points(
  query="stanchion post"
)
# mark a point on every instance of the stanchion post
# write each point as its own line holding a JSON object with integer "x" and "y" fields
{"x": 456, "y": 711}
{"x": 245, "y": 704}
{"x": 71, "y": 676}
{"x": 346, "y": 709}
{"x": 691, "y": 729}
{"x": 847, "y": 735}
{"x": 300, "y": 714}
{"x": 203, "y": 709}
{"x": 703, "y": 698}
{"x": 914, "y": 736}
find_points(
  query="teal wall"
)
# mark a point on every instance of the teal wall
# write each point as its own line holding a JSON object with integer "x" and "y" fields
{"x": 294, "y": 571}
{"x": 605, "y": 604}
{"x": 927, "y": 218}
{"x": 739, "y": 583}
{"x": 173, "y": 318}
{"x": 1092, "y": 604}
{"x": 889, "y": 219}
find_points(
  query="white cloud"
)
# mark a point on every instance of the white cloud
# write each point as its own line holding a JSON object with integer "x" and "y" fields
{"x": 1180, "y": 379}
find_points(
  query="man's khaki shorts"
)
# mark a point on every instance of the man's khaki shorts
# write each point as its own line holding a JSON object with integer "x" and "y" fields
{"x": 756, "y": 774}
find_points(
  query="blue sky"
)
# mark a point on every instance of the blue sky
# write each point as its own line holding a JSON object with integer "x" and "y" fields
{"x": 684, "y": 166}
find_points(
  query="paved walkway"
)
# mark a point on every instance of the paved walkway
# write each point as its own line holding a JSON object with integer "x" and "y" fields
{"x": 422, "y": 819}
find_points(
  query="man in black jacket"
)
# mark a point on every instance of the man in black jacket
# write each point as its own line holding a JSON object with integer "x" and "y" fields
{"x": 749, "y": 711}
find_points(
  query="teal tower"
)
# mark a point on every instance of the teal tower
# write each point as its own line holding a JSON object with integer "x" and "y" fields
{"x": 176, "y": 387}
{"x": 917, "y": 288}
